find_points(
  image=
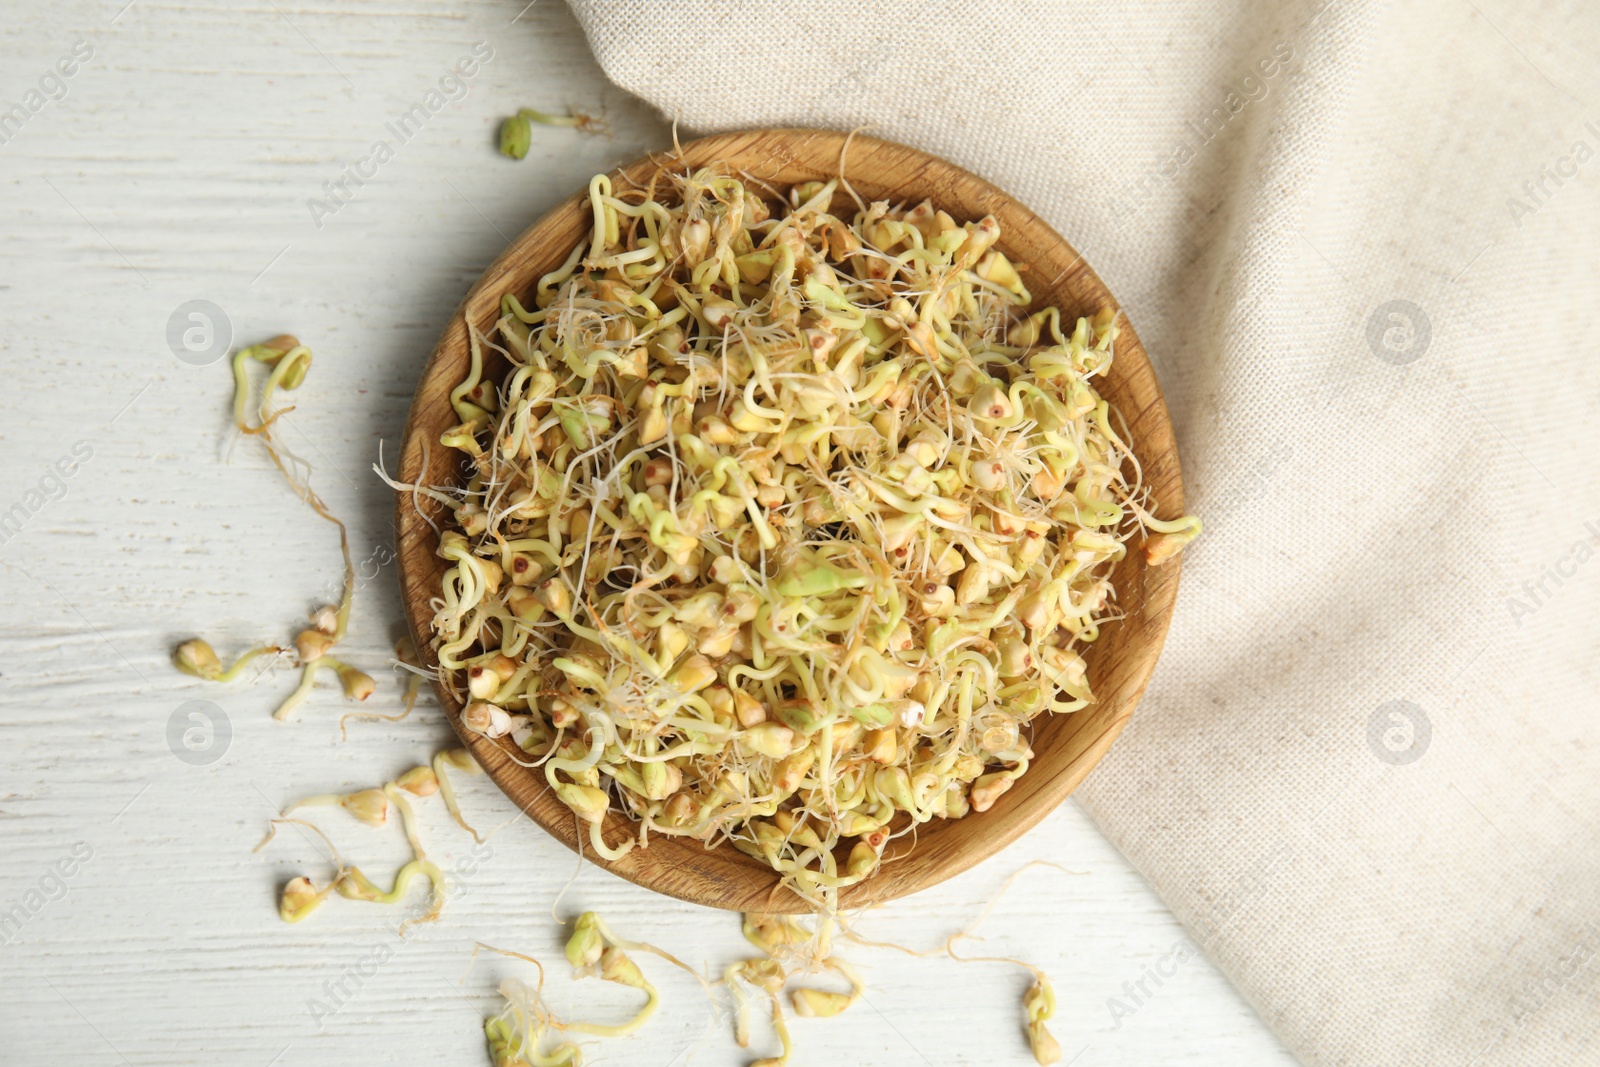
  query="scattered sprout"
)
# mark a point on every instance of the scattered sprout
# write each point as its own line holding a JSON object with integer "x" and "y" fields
{"x": 586, "y": 944}
{"x": 616, "y": 966}
{"x": 516, "y": 132}
{"x": 1040, "y": 1005}
{"x": 405, "y": 654}
{"x": 357, "y": 685}
{"x": 300, "y": 897}
{"x": 819, "y": 1003}
{"x": 198, "y": 658}
{"x": 1039, "y": 1002}
{"x": 371, "y": 806}
{"x": 782, "y": 1031}
{"x": 516, "y": 137}
{"x": 461, "y": 760}
{"x": 288, "y": 361}
{"x": 515, "y": 1034}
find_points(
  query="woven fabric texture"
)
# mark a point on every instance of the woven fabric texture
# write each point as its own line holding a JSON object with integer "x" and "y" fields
{"x": 1360, "y": 243}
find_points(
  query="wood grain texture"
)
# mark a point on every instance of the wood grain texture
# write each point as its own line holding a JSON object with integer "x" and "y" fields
{"x": 1120, "y": 663}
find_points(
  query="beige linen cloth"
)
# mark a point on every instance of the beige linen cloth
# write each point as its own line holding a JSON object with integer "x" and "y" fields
{"x": 1362, "y": 244}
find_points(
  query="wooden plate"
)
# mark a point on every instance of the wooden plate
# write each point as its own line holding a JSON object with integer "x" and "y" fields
{"x": 1067, "y": 746}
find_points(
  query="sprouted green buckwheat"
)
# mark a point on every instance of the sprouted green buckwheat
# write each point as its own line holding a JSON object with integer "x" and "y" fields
{"x": 782, "y": 527}
{"x": 288, "y": 360}
{"x": 300, "y": 897}
{"x": 516, "y": 1034}
{"x": 781, "y": 531}
{"x": 516, "y": 132}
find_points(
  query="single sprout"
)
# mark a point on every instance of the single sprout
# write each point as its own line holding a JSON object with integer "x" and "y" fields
{"x": 1040, "y": 1005}
{"x": 312, "y": 644}
{"x": 357, "y": 685}
{"x": 782, "y": 1030}
{"x": 297, "y": 696}
{"x": 357, "y": 886}
{"x": 586, "y": 944}
{"x": 198, "y": 658}
{"x": 780, "y": 935}
{"x": 1039, "y": 1002}
{"x": 615, "y": 966}
{"x": 408, "y": 818}
{"x": 461, "y": 760}
{"x": 819, "y": 1003}
{"x": 326, "y": 619}
{"x": 405, "y": 653}
{"x": 1170, "y": 538}
{"x": 516, "y": 132}
{"x": 370, "y": 806}
{"x": 300, "y": 897}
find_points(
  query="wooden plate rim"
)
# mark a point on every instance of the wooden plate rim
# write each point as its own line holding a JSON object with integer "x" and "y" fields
{"x": 724, "y": 877}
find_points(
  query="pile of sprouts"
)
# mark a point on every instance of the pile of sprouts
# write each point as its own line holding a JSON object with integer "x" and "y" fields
{"x": 785, "y": 523}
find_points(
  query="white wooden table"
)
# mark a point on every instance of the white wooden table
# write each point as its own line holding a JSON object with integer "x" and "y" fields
{"x": 174, "y": 163}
